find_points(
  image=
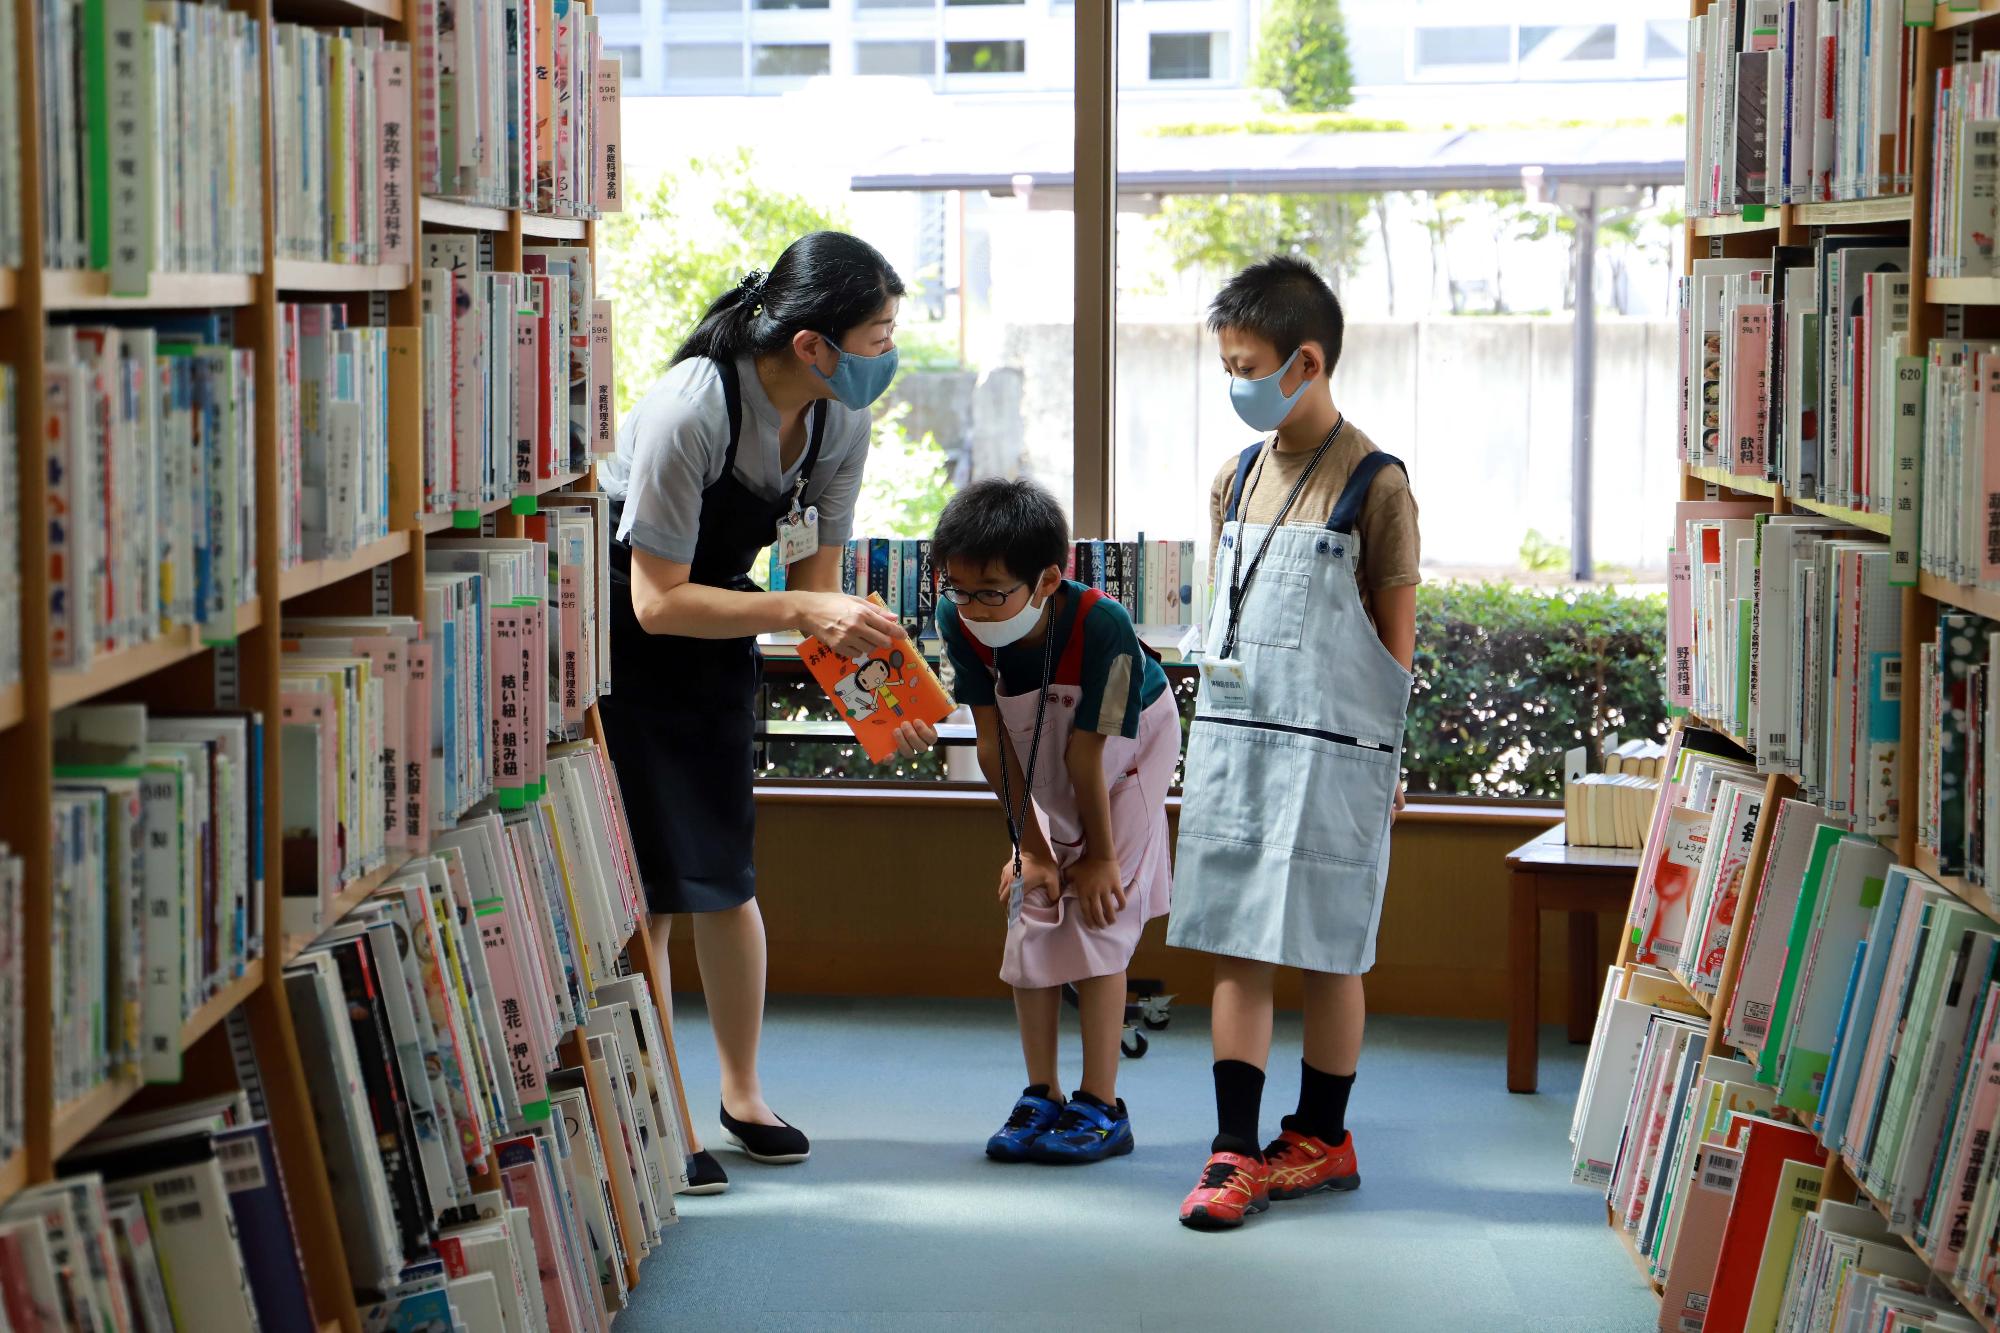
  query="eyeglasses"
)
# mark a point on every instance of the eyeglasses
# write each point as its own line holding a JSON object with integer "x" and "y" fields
{"x": 984, "y": 596}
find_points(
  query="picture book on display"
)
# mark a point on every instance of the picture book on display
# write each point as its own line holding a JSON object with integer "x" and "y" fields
{"x": 878, "y": 693}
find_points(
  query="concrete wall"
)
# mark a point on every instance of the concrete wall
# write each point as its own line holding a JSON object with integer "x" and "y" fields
{"x": 1480, "y": 410}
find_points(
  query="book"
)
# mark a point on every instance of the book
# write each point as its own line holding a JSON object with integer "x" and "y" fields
{"x": 880, "y": 692}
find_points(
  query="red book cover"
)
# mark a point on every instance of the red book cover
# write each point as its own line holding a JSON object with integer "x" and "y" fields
{"x": 1767, "y": 1145}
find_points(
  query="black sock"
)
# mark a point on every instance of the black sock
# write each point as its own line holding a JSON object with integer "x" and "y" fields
{"x": 1322, "y": 1104}
{"x": 1239, "y": 1094}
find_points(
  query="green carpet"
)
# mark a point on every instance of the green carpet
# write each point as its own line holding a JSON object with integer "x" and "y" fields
{"x": 1465, "y": 1219}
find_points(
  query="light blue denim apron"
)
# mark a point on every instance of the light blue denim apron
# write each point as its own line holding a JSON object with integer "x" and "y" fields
{"x": 1284, "y": 830}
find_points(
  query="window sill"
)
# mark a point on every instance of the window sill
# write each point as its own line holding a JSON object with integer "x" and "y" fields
{"x": 1462, "y": 812}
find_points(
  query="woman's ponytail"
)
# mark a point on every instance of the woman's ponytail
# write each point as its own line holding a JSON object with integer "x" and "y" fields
{"x": 826, "y": 282}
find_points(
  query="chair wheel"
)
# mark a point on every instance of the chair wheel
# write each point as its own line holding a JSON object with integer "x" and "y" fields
{"x": 1157, "y": 1024}
{"x": 1133, "y": 1044}
{"x": 1070, "y": 996}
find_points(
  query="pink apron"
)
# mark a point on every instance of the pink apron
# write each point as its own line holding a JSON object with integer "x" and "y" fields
{"x": 1049, "y": 944}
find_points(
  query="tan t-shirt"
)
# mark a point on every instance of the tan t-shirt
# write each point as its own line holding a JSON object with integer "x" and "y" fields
{"x": 1390, "y": 548}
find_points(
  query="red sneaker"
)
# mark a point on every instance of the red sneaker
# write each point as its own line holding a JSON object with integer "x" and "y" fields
{"x": 1232, "y": 1187}
{"x": 1301, "y": 1164}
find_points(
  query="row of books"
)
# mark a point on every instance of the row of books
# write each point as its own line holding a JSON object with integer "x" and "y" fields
{"x": 1957, "y": 800}
{"x": 517, "y": 106}
{"x": 1698, "y": 841}
{"x": 1795, "y": 368}
{"x": 1155, "y": 581}
{"x": 518, "y": 371}
{"x": 333, "y": 434}
{"x": 1798, "y": 101}
{"x": 1965, "y": 170}
{"x": 10, "y": 531}
{"x": 152, "y": 147}
{"x": 158, "y": 882}
{"x": 12, "y": 234}
{"x": 341, "y": 146}
{"x": 1786, "y": 629}
{"x": 13, "y": 1005}
{"x": 152, "y": 521}
{"x": 1608, "y": 809}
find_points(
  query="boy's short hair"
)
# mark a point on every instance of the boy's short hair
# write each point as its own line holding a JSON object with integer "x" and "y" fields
{"x": 1018, "y": 523}
{"x": 1284, "y": 301}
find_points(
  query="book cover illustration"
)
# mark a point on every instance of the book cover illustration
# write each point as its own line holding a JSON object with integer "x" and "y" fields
{"x": 878, "y": 693}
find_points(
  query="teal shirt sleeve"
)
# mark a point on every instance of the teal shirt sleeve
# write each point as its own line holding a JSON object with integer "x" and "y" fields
{"x": 971, "y": 682}
{"x": 1119, "y": 678}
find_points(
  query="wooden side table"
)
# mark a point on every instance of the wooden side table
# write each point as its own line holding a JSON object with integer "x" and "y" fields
{"x": 1547, "y": 875}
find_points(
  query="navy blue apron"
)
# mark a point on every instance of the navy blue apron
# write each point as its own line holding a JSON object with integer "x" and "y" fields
{"x": 682, "y": 715}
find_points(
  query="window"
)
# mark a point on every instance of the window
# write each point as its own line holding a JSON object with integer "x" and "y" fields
{"x": 615, "y": 7}
{"x": 1575, "y": 43}
{"x": 1184, "y": 55}
{"x": 630, "y": 66}
{"x": 913, "y": 58}
{"x": 704, "y": 6}
{"x": 793, "y": 60}
{"x": 1666, "y": 42}
{"x": 704, "y": 62}
{"x": 1007, "y": 57}
{"x": 1447, "y": 48}
{"x": 897, "y": 4}
{"x": 791, "y": 4}
{"x": 956, "y": 3}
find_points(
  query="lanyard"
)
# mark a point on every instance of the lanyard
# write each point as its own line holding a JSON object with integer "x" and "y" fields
{"x": 1016, "y": 824}
{"x": 1239, "y": 591}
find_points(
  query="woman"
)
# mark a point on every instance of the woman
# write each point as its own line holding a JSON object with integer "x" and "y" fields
{"x": 756, "y": 435}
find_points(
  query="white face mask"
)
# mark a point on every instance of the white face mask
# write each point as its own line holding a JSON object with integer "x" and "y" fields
{"x": 1000, "y": 633}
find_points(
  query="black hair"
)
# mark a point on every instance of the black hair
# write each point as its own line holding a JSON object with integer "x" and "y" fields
{"x": 1018, "y": 523}
{"x": 826, "y": 282}
{"x": 1284, "y": 301}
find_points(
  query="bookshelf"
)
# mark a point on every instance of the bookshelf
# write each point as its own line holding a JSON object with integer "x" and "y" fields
{"x": 236, "y": 662}
{"x": 1941, "y": 307}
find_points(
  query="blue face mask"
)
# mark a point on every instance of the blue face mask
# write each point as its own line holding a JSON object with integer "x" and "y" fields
{"x": 858, "y": 381}
{"x": 1261, "y": 403}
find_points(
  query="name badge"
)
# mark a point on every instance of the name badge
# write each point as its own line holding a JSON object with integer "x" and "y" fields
{"x": 1016, "y": 895}
{"x": 1228, "y": 684}
{"x": 798, "y": 535}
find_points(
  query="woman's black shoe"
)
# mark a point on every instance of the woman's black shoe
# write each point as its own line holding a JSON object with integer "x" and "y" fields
{"x": 777, "y": 1144}
{"x": 705, "y": 1175}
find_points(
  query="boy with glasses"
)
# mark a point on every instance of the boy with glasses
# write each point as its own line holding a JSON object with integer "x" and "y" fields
{"x": 1075, "y": 720}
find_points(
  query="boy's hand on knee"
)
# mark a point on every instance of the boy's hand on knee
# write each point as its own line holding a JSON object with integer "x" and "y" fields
{"x": 1100, "y": 891}
{"x": 1035, "y": 874}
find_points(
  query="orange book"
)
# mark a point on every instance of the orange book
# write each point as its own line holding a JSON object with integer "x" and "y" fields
{"x": 881, "y": 691}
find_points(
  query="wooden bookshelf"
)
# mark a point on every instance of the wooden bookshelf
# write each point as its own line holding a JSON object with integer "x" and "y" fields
{"x": 552, "y": 229}
{"x": 1960, "y": 888}
{"x": 1945, "y": 592}
{"x": 301, "y": 275}
{"x": 122, "y": 668}
{"x": 174, "y": 669}
{"x": 1737, "y": 225}
{"x": 1854, "y": 518}
{"x": 1949, "y": 17}
{"x": 436, "y": 212}
{"x": 1958, "y": 1293}
{"x": 1962, "y": 291}
{"x": 316, "y": 574}
{"x": 445, "y": 524}
{"x": 1848, "y": 212}
{"x": 87, "y": 289}
{"x": 1716, "y": 476}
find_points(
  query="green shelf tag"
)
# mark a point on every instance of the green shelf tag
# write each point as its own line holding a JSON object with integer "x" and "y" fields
{"x": 527, "y": 504}
{"x": 465, "y": 518}
{"x": 513, "y": 798}
{"x": 1753, "y": 212}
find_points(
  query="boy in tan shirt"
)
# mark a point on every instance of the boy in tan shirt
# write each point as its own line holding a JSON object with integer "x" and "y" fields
{"x": 1294, "y": 757}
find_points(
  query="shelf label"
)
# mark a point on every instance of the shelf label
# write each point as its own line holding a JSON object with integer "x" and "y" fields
{"x": 526, "y": 504}
{"x": 465, "y": 518}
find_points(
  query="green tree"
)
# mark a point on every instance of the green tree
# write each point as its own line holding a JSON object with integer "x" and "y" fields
{"x": 1302, "y": 55}
{"x": 680, "y": 241}
{"x": 1221, "y": 233}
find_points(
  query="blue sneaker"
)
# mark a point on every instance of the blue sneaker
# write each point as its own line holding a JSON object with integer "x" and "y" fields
{"x": 1089, "y": 1131}
{"x": 1033, "y": 1116}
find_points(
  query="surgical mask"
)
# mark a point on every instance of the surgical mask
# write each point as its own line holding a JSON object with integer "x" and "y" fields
{"x": 1000, "y": 633}
{"x": 1261, "y": 403}
{"x": 857, "y": 381}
